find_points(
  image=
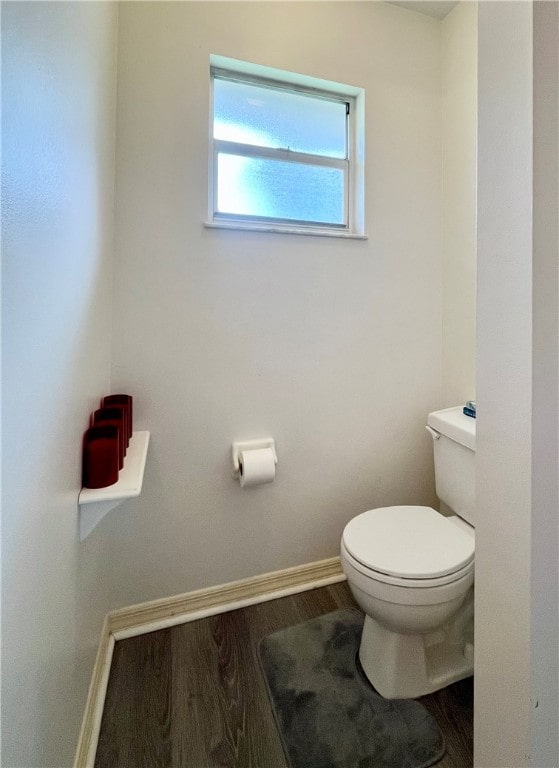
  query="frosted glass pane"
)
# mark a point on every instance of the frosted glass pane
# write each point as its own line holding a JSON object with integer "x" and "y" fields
{"x": 275, "y": 189}
{"x": 265, "y": 117}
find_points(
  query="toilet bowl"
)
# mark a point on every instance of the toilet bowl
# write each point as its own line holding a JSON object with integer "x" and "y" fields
{"x": 422, "y": 593}
{"x": 411, "y": 570}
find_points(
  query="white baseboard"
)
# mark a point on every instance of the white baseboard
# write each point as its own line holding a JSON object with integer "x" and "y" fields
{"x": 170, "y": 611}
{"x": 158, "y": 614}
{"x": 91, "y": 724}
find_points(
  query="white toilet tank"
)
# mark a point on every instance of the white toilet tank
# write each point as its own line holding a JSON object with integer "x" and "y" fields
{"x": 454, "y": 447}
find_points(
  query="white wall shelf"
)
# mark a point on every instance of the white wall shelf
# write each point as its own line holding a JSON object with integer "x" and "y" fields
{"x": 95, "y": 503}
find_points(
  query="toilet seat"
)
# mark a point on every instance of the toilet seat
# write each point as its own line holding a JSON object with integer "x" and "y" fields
{"x": 408, "y": 546}
{"x": 409, "y": 584}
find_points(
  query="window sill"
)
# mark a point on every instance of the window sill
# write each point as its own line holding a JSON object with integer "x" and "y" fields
{"x": 247, "y": 227}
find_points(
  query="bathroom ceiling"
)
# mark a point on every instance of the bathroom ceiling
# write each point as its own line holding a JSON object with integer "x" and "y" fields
{"x": 438, "y": 9}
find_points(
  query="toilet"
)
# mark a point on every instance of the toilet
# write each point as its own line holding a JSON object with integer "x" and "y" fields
{"x": 411, "y": 570}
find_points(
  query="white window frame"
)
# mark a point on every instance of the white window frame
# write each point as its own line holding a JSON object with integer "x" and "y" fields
{"x": 352, "y": 166}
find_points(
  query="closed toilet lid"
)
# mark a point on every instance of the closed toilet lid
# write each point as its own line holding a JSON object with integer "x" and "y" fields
{"x": 408, "y": 542}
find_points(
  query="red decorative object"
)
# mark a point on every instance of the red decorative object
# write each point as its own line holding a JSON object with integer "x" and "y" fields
{"x": 126, "y": 400}
{"x": 101, "y": 454}
{"x": 114, "y": 416}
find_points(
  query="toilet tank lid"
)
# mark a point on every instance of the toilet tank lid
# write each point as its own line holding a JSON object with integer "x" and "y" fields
{"x": 408, "y": 542}
{"x": 454, "y": 424}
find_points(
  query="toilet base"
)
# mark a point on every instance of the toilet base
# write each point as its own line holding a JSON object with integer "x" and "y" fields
{"x": 408, "y": 666}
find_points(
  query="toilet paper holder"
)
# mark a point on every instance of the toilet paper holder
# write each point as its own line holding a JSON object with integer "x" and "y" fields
{"x": 251, "y": 445}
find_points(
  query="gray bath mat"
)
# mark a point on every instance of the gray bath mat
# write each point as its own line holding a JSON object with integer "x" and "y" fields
{"x": 328, "y": 715}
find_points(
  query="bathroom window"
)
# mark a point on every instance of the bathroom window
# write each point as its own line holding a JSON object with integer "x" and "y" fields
{"x": 283, "y": 152}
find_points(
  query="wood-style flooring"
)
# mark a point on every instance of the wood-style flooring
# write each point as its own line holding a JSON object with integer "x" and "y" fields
{"x": 193, "y": 696}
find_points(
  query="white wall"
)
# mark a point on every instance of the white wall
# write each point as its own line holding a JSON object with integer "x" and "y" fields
{"x": 516, "y": 534}
{"x": 544, "y": 747}
{"x": 459, "y": 239}
{"x": 58, "y": 110}
{"x": 333, "y": 347}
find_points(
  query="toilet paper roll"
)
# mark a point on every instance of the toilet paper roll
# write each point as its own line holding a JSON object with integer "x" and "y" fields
{"x": 256, "y": 467}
